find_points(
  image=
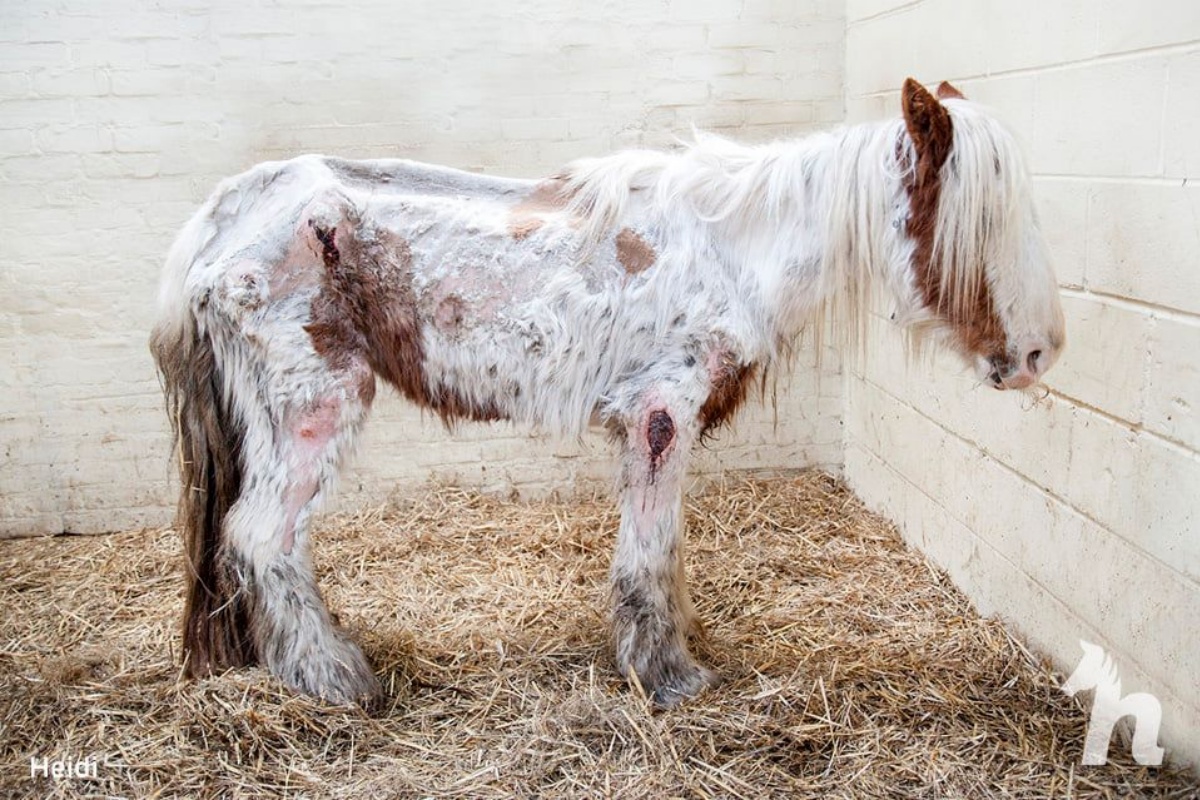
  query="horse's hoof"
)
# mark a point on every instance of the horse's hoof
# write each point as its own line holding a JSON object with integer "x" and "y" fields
{"x": 682, "y": 686}
{"x": 364, "y": 691}
{"x": 340, "y": 675}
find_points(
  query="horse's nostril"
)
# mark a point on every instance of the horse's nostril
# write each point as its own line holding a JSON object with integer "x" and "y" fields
{"x": 1032, "y": 360}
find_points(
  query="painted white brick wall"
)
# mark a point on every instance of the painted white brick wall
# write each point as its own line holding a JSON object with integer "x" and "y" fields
{"x": 116, "y": 121}
{"x": 1077, "y": 518}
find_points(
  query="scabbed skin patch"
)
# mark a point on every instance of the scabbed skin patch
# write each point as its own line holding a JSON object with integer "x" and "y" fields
{"x": 660, "y": 434}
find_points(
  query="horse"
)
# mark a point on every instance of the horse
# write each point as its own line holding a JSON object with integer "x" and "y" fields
{"x": 646, "y": 291}
{"x": 1096, "y": 670}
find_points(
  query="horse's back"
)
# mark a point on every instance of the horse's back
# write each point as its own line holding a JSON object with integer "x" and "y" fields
{"x": 256, "y": 208}
{"x": 475, "y": 296}
{"x": 451, "y": 284}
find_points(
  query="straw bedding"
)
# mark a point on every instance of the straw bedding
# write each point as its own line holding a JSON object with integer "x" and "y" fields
{"x": 854, "y": 669}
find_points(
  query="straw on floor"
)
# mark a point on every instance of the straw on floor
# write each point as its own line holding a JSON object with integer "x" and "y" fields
{"x": 853, "y": 668}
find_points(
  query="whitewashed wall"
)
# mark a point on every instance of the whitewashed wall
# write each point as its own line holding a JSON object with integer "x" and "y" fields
{"x": 117, "y": 118}
{"x": 1078, "y": 518}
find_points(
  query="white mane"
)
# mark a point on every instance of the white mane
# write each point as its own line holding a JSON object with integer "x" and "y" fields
{"x": 825, "y": 212}
{"x": 979, "y": 220}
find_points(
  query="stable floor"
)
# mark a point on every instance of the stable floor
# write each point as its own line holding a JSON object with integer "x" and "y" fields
{"x": 853, "y": 668}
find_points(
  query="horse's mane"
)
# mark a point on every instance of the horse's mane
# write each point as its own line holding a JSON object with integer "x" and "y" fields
{"x": 844, "y": 186}
{"x": 979, "y": 214}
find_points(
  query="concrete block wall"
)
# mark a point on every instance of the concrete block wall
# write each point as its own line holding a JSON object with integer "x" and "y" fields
{"x": 116, "y": 122}
{"x": 1075, "y": 518}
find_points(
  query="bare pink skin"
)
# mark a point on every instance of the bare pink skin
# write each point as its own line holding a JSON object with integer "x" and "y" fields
{"x": 310, "y": 433}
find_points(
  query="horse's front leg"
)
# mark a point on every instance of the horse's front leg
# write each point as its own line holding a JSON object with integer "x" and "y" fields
{"x": 651, "y": 609}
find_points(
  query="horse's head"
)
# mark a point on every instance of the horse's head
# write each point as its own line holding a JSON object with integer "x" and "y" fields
{"x": 980, "y": 277}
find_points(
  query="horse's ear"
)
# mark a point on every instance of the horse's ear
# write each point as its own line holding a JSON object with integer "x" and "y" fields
{"x": 946, "y": 91}
{"x": 928, "y": 123}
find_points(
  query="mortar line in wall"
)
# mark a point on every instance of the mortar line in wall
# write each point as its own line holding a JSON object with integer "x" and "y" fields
{"x": 1137, "y": 180}
{"x": 1180, "y": 48}
{"x": 1070, "y": 612}
{"x": 1165, "y": 441}
{"x": 1024, "y": 478}
{"x": 1183, "y": 448}
{"x": 1132, "y": 304}
{"x": 1029, "y": 481}
{"x": 887, "y": 12}
{"x": 1160, "y": 312}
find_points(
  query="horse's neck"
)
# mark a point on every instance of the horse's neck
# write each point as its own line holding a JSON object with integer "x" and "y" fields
{"x": 820, "y": 227}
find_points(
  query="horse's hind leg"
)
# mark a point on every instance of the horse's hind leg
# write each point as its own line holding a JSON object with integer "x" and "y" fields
{"x": 289, "y": 467}
{"x": 652, "y": 612}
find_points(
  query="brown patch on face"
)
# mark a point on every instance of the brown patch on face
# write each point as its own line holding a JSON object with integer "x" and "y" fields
{"x": 529, "y": 215}
{"x": 980, "y": 331}
{"x": 635, "y": 253}
{"x": 976, "y": 324}
{"x": 730, "y": 385}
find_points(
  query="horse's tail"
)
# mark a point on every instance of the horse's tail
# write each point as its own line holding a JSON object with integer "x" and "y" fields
{"x": 208, "y": 439}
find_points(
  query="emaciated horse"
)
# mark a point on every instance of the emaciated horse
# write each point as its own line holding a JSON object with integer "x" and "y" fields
{"x": 650, "y": 290}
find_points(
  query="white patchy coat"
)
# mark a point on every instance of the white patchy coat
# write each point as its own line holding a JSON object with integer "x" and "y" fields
{"x": 548, "y": 327}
